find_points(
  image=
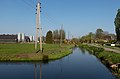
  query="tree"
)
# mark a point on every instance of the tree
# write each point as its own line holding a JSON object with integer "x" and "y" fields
{"x": 75, "y": 40}
{"x": 57, "y": 35}
{"x": 89, "y": 38}
{"x": 49, "y": 37}
{"x": 99, "y": 33}
{"x": 117, "y": 25}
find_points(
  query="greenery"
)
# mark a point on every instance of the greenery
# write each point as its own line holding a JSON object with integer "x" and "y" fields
{"x": 99, "y": 33}
{"x": 100, "y": 52}
{"x": 99, "y": 36}
{"x": 49, "y": 37}
{"x": 117, "y": 25}
{"x": 88, "y": 38}
{"x": 92, "y": 49}
{"x": 57, "y": 35}
{"x": 27, "y": 52}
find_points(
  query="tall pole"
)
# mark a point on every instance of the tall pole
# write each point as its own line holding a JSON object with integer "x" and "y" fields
{"x": 68, "y": 35}
{"x": 40, "y": 26}
{"x": 38, "y": 23}
{"x": 61, "y": 35}
{"x": 68, "y": 38}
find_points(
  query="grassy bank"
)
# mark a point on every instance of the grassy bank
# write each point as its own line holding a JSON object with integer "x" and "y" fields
{"x": 101, "y": 53}
{"x": 27, "y": 52}
{"x": 108, "y": 58}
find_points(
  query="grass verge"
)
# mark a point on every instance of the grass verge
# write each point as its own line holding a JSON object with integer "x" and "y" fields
{"x": 27, "y": 52}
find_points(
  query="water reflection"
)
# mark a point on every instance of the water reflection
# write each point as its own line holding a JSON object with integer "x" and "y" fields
{"x": 35, "y": 70}
{"x": 41, "y": 71}
{"x": 82, "y": 50}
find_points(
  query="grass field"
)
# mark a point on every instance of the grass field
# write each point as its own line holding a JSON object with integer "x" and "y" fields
{"x": 27, "y": 52}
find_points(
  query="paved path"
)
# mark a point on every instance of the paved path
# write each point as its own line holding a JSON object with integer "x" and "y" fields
{"x": 113, "y": 50}
{"x": 107, "y": 49}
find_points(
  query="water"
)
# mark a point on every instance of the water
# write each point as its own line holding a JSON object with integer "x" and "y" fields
{"x": 79, "y": 65}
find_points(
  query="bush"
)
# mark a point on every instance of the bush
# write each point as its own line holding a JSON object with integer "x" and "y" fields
{"x": 92, "y": 48}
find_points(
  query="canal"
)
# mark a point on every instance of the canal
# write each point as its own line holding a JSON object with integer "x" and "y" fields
{"x": 78, "y": 65}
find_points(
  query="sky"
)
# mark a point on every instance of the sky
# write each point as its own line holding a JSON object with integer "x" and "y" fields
{"x": 79, "y": 17}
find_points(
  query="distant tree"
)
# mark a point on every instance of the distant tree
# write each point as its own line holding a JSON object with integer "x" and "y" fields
{"x": 74, "y": 40}
{"x": 82, "y": 39}
{"x": 99, "y": 33}
{"x": 89, "y": 38}
{"x": 117, "y": 25}
{"x": 49, "y": 37}
{"x": 99, "y": 37}
{"x": 57, "y": 35}
{"x": 63, "y": 34}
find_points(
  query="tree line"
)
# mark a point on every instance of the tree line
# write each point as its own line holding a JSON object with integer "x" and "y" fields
{"x": 55, "y": 36}
{"x": 99, "y": 36}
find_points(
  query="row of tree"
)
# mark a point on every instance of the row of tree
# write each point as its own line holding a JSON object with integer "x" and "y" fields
{"x": 55, "y": 36}
{"x": 98, "y": 37}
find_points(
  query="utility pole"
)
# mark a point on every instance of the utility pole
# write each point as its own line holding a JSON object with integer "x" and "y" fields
{"x": 38, "y": 23}
{"x": 68, "y": 37}
{"x": 61, "y": 35}
{"x": 37, "y": 26}
{"x": 39, "y": 7}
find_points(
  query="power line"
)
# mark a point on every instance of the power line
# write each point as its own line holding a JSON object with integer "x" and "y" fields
{"x": 28, "y": 4}
{"x": 33, "y": 2}
{"x": 50, "y": 18}
{"x": 50, "y": 21}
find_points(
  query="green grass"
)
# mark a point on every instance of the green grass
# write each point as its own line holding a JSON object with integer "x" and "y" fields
{"x": 16, "y": 48}
{"x": 111, "y": 56}
{"x": 99, "y": 52}
{"x": 27, "y": 52}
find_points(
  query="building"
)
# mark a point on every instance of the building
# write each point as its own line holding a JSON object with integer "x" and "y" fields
{"x": 21, "y": 37}
{"x": 31, "y": 38}
{"x": 6, "y": 38}
{"x": 14, "y": 38}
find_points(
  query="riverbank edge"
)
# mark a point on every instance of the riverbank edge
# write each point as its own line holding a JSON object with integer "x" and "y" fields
{"x": 35, "y": 60}
{"x": 99, "y": 52}
{"x": 39, "y": 57}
